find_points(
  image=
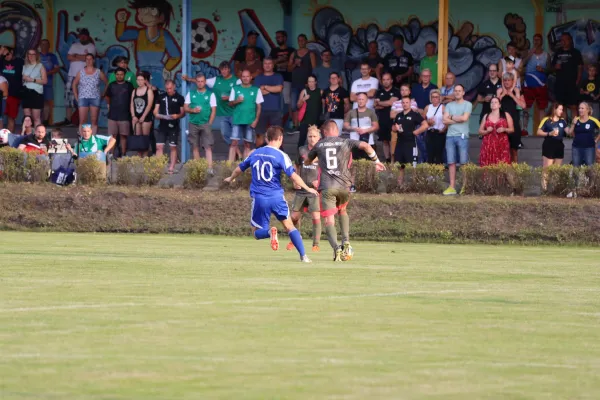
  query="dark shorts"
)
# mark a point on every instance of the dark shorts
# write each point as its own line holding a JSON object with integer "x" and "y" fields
{"x": 267, "y": 119}
{"x": 32, "y": 99}
{"x": 168, "y": 136}
{"x": 333, "y": 200}
{"x": 385, "y": 132}
{"x": 553, "y": 149}
{"x": 306, "y": 202}
{"x": 404, "y": 153}
{"x": 566, "y": 94}
{"x": 514, "y": 139}
{"x": 358, "y": 154}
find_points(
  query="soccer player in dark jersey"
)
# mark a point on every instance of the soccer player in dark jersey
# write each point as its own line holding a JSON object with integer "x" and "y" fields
{"x": 335, "y": 158}
{"x": 304, "y": 201}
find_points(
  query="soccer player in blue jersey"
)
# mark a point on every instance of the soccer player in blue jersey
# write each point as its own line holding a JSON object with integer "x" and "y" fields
{"x": 267, "y": 194}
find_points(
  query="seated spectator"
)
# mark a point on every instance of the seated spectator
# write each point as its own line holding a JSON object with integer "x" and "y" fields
{"x": 584, "y": 128}
{"x": 37, "y": 142}
{"x": 27, "y": 125}
{"x": 436, "y": 133}
{"x": 495, "y": 127}
{"x": 91, "y": 144}
{"x": 590, "y": 90}
{"x": 448, "y": 89}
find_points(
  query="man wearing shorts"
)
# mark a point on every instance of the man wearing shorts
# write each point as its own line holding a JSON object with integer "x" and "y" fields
{"x": 168, "y": 111}
{"x": 304, "y": 201}
{"x": 335, "y": 155}
{"x": 201, "y": 105}
{"x": 409, "y": 124}
{"x": 568, "y": 64}
{"x": 246, "y": 100}
{"x": 271, "y": 86}
{"x": 11, "y": 67}
{"x": 76, "y": 56}
{"x": 118, "y": 98}
{"x": 536, "y": 75}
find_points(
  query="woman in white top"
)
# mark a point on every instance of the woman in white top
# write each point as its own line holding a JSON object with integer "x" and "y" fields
{"x": 436, "y": 134}
{"x": 86, "y": 89}
{"x": 34, "y": 79}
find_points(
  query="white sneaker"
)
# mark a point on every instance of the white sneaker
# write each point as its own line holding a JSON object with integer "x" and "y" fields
{"x": 572, "y": 195}
{"x": 305, "y": 259}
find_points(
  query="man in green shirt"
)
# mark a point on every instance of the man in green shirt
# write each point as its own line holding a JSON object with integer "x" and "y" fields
{"x": 246, "y": 100}
{"x": 123, "y": 62}
{"x": 430, "y": 61}
{"x": 201, "y": 105}
{"x": 93, "y": 144}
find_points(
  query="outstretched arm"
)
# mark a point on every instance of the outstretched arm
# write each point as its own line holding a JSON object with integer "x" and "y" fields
{"x": 236, "y": 172}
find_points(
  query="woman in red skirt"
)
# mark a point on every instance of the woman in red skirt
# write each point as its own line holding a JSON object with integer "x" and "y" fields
{"x": 495, "y": 128}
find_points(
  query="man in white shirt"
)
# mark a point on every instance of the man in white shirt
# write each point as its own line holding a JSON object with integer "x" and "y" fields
{"x": 76, "y": 57}
{"x": 366, "y": 84}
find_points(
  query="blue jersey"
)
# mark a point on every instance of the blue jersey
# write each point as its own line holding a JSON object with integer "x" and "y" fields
{"x": 266, "y": 164}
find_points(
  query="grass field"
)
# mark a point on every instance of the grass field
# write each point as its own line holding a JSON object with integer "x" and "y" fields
{"x": 86, "y": 316}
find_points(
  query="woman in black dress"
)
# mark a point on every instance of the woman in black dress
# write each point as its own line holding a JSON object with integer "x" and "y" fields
{"x": 510, "y": 103}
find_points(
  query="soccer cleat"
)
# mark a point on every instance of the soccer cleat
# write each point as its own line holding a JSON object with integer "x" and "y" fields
{"x": 290, "y": 246}
{"x": 347, "y": 252}
{"x": 305, "y": 259}
{"x": 337, "y": 254}
{"x": 274, "y": 239}
{"x": 450, "y": 192}
{"x": 316, "y": 248}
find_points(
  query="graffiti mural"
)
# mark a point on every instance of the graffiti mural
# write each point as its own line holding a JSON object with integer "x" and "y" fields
{"x": 469, "y": 53}
{"x": 156, "y": 50}
{"x": 23, "y": 22}
{"x": 586, "y": 37}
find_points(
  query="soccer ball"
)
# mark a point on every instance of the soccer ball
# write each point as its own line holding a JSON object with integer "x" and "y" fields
{"x": 4, "y": 136}
{"x": 204, "y": 38}
{"x": 348, "y": 254}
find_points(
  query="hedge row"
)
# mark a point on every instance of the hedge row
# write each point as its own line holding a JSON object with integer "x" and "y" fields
{"x": 501, "y": 179}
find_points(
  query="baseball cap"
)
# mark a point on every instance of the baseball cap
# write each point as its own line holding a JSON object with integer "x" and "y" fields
{"x": 252, "y": 32}
{"x": 84, "y": 31}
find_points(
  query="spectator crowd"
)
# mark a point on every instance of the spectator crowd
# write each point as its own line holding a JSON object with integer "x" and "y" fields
{"x": 417, "y": 116}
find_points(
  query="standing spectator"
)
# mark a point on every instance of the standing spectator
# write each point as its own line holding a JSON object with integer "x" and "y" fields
{"x": 510, "y": 103}
{"x": 246, "y": 100}
{"x": 488, "y": 89}
{"x": 12, "y": 70}
{"x": 142, "y": 103}
{"x": 405, "y": 91}
{"x": 240, "y": 54}
{"x": 311, "y": 95}
{"x": 281, "y": 56}
{"x": 156, "y": 93}
{"x": 448, "y": 89}
{"x": 50, "y": 62}
{"x": 409, "y": 124}
{"x": 27, "y": 125}
{"x": 568, "y": 64}
{"x": 399, "y": 62}
{"x": 361, "y": 122}
{"x": 271, "y": 86}
{"x": 118, "y": 99}
{"x": 34, "y": 79}
{"x": 510, "y": 69}
{"x": 553, "y": 128}
{"x": 123, "y": 62}
{"x": 86, "y": 87}
{"x": 323, "y": 71}
{"x": 584, "y": 128}
{"x": 251, "y": 62}
{"x": 221, "y": 87}
{"x": 536, "y": 66}
{"x": 456, "y": 117}
{"x": 301, "y": 64}
{"x": 494, "y": 127}
{"x": 201, "y": 105}
{"x": 590, "y": 89}
{"x": 430, "y": 62}
{"x": 385, "y": 97}
{"x": 374, "y": 60}
{"x": 366, "y": 84}
{"x": 511, "y": 51}
{"x": 77, "y": 62}
{"x": 336, "y": 101}
{"x": 436, "y": 132}
{"x": 421, "y": 92}
{"x": 4, "y": 94}
{"x": 169, "y": 111}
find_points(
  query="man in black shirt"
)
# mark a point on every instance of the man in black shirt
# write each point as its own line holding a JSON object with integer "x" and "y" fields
{"x": 240, "y": 54}
{"x": 488, "y": 89}
{"x": 11, "y": 68}
{"x": 37, "y": 142}
{"x": 408, "y": 124}
{"x": 399, "y": 62}
{"x": 118, "y": 100}
{"x": 384, "y": 98}
{"x": 568, "y": 65}
{"x": 281, "y": 56}
{"x": 168, "y": 111}
{"x": 336, "y": 101}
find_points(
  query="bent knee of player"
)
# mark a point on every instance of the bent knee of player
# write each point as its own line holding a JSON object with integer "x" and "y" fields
{"x": 330, "y": 220}
{"x": 288, "y": 224}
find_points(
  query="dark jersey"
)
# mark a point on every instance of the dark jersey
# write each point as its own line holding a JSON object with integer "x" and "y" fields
{"x": 308, "y": 173}
{"x": 335, "y": 159}
{"x": 409, "y": 122}
{"x": 488, "y": 88}
{"x": 120, "y": 98}
{"x": 169, "y": 105}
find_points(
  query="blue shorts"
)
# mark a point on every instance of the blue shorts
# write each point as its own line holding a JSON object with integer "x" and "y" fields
{"x": 457, "y": 150}
{"x": 225, "y": 125}
{"x": 48, "y": 93}
{"x": 89, "y": 102}
{"x": 263, "y": 207}
{"x": 245, "y": 132}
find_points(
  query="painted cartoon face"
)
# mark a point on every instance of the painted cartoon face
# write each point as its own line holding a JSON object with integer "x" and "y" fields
{"x": 149, "y": 16}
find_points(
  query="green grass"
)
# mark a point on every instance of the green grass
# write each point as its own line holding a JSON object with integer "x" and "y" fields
{"x": 86, "y": 316}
